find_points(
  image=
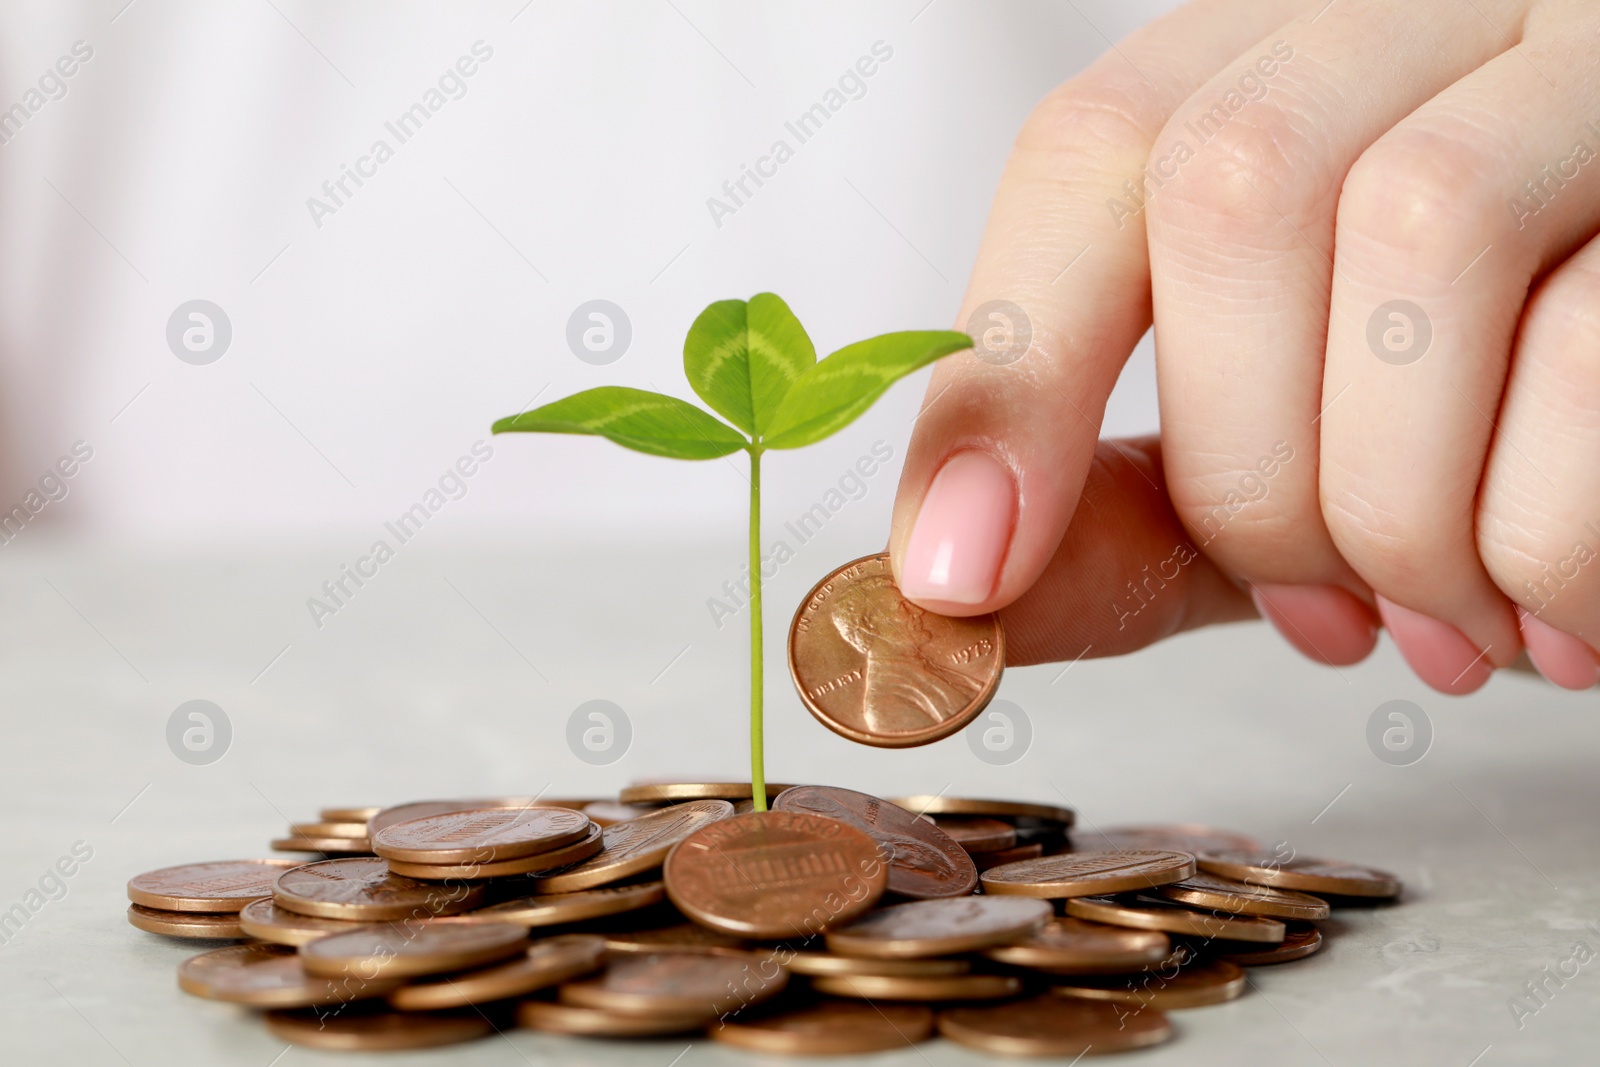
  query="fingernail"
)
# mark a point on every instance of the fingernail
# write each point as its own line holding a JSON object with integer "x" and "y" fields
{"x": 1561, "y": 658}
{"x": 1326, "y": 623}
{"x": 1439, "y": 653}
{"x": 961, "y": 533}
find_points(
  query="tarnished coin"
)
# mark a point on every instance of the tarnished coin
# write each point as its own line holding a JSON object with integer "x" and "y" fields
{"x": 606, "y": 812}
{"x": 918, "y": 988}
{"x": 635, "y": 846}
{"x": 581, "y": 849}
{"x": 1302, "y": 940}
{"x": 1047, "y": 1026}
{"x": 1073, "y": 946}
{"x": 418, "y": 809}
{"x": 775, "y": 874}
{"x": 378, "y": 1031}
{"x": 198, "y": 925}
{"x": 405, "y": 950}
{"x": 1178, "y": 837}
{"x": 924, "y": 862}
{"x": 554, "y": 908}
{"x": 364, "y": 889}
{"x": 1083, "y": 874}
{"x": 872, "y": 666}
{"x": 264, "y": 920}
{"x": 1225, "y": 894}
{"x": 328, "y": 846}
{"x": 545, "y": 963}
{"x": 987, "y": 861}
{"x": 270, "y": 976}
{"x": 485, "y": 835}
{"x": 815, "y": 963}
{"x": 828, "y": 1027}
{"x": 1195, "y": 986}
{"x": 328, "y": 828}
{"x": 923, "y": 928}
{"x": 1153, "y": 913}
{"x": 598, "y": 1022}
{"x": 677, "y": 792}
{"x": 978, "y": 833}
{"x": 225, "y": 885}
{"x": 930, "y": 804}
{"x": 684, "y": 937}
{"x": 678, "y": 983}
{"x": 353, "y": 814}
{"x": 1302, "y": 872}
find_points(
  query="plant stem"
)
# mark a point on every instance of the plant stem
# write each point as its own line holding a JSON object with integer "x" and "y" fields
{"x": 758, "y": 778}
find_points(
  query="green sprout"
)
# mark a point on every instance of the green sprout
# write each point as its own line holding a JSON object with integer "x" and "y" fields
{"x": 753, "y": 364}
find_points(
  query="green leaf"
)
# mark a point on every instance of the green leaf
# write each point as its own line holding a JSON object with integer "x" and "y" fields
{"x": 830, "y": 396}
{"x": 741, "y": 358}
{"x": 634, "y": 418}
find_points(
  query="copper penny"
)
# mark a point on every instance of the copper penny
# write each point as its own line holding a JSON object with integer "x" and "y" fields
{"x": 684, "y": 937}
{"x": 606, "y": 812}
{"x": 581, "y": 849}
{"x": 270, "y": 976}
{"x": 829, "y": 1027}
{"x": 1303, "y": 873}
{"x": 1153, "y": 913}
{"x": 364, "y": 889}
{"x": 677, "y": 792}
{"x": 815, "y": 963}
{"x": 775, "y": 874}
{"x": 924, "y": 928}
{"x": 328, "y": 846}
{"x": 1178, "y": 837}
{"x": 876, "y": 668}
{"x": 418, "y": 809}
{"x": 597, "y": 1022}
{"x": 377, "y": 1031}
{"x": 678, "y": 983}
{"x": 635, "y": 846}
{"x": 553, "y": 908}
{"x": 1225, "y": 894}
{"x": 978, "y": 833}
{"x": 930, "y": 804}
{"x": 328, "y": 829}
{"x": 1083, "y": 874}
{"x": 924, "y": 861}
{"x": 264, "y": 920}
{"x": 1047, "y": 1026}
{"x": 196, "y": 925}
{"x": 353, "y": 814}
{"x": 545, "y": 963}
{"x": 405, "y": 950}
{"x": 1073, "y": 946}
{"x": 1197, "y": 985}
{"x": 484, "y": 835}
{"x": 985, "y": 861}
{"x": 919, "y": 988}
{"x": 1302, "y": 940}
{"x": 225, "y": 885}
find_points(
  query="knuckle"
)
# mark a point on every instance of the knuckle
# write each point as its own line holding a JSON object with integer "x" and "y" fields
{"x": 1387, "y": 547}
{"x": 1540, "y": 563}
{"x": 1260, "y": 166}
{"x": 1566, "y": 310}
{"x": 1089, "y": 116}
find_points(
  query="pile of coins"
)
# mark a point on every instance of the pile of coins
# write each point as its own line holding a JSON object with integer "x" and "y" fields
{"x": 837, "y": 922}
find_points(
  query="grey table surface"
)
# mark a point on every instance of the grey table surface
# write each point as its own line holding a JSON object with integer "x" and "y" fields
{"x": 455, "y": 671}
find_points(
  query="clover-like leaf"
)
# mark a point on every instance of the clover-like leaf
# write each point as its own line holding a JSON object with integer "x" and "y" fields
{"x": 830, "y": 395}
{"x": 741, "y": 358}
{"x": 634, "y": 418}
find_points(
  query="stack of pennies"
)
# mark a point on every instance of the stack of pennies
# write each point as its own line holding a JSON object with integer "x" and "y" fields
{"x": 837, "y": 922}
{"x": 336, "y": 832}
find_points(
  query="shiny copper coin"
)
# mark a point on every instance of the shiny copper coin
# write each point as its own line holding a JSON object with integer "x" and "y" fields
{"x": 828, "y": 1027}
{"x": 364, "y": 889}
{"x": 1047, "y": 1026}
{"x": 606, "y": 812}
{"x": 684, "y": 937}
{"x": 553, "y": 908}
{"x": 542, "y": 861}
{"x": 925, "y": 928}
{"x": 1073, "y": 946}
{"x": 985, "y": 861}
{"x": 1303, "y": 873}
{"x": 225, "y": 885}
{"x": 1241, "y": 898}
{"x": 270, "y": 976}
{"x": 872, "y": 666}
{"x": 1083, "y": 874}
{"x": 924, "y": 861}
{"x": 405, "y": 950}
{"x": 1153, "y": 913}
{"x": 597, "y": 1022}
{"x": 918, "y": 988}
{"x": 545, "y": 963}
{"x": 815, "y": 963}
{"x": 978, "y": 833}
{"x": 328, "y": 829}
{"x": 635, "y": 846}
{"x": 483, "y": 835}
{"x": 328, "y": 846}
{"x": 387, "y": 1031}
{"x": 1301, "y": 941}
{"x": 1178, "y": 837}
{"x": 1195, "y": 986}
{"x": 929, "y": 804}
{"x": 264, "y": 920}
{"x": 355, "y": 814}
{"x": 418, "y": 809}
{"x": 775, "y": 874}
{"x": 197, "y": 925}
{"x": 678, "y": 983}
{"x": 677, "y": 792}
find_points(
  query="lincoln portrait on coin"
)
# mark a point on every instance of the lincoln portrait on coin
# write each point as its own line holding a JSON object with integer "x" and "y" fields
{"x": 904, "y": 686}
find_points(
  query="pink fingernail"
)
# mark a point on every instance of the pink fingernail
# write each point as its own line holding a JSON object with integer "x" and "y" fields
{"x": 1439, "y": 653}
{"x": 1563, "y": 659}
{"x": 1326, "y": 623}
{"x": 961, "y": 533}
